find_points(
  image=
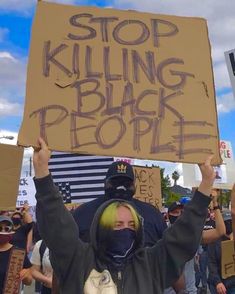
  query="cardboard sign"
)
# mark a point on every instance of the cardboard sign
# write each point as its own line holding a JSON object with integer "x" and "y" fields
{"x": 12, "y": 281}
{"x": 148, "y": 185}
{"x": 26, "y": 192}
{"x": 120, "y": 83}
{"x": 227, "y": 259}
{"x": 11, "y": 160}
{"x": 230, "y": 61}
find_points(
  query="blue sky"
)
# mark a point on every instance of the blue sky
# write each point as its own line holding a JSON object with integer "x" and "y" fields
{"x": 15, "y": 24}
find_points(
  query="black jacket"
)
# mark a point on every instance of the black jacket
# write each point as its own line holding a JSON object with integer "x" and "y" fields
{"x": 78, "y": 265}
{"x": 154, "y": 224}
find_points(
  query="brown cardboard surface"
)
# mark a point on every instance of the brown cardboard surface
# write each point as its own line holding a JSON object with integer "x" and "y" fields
{"x": 227, "y": 259}
{"x": 120, "y": 83}
{"x": 148, "y": 185}
{"x": 12, "y": 282}
{"x": 10, "y": 168}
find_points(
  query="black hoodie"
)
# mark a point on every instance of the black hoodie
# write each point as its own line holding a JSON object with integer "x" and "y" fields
{"x": 79, "y": 266}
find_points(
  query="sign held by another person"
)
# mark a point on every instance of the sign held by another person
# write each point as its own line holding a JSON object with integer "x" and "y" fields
{"x": 148, "y": 185}
{"x": 120, "y": 83}
{"x": 10, "y": 169}
{"x": 230, "y": 61}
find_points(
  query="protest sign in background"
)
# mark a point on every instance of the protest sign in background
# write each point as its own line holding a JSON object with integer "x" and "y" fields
{"x": 230, "y": 62}
{"x": 10, "y": 168}
{"x": 120, "y": 83}
{"x": 26, "y": 193}
{"x": 227, "y": 259}
{"x": 225, "y": 173}
{"x": 148, "y": 185}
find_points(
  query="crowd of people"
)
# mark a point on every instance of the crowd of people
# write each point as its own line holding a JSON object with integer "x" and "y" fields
{"x": 116, "y": 243}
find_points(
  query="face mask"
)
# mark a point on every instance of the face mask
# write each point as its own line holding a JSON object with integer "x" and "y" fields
{"x": 120, "y": 188}
{"x": 16, "y": 221}
{"x": 172, "y": 218}
{"x": 120, "y": 243}
{"x": 5, "y": 238}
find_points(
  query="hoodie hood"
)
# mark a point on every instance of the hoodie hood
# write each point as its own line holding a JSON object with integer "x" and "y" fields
{"x": 95, "y": 226}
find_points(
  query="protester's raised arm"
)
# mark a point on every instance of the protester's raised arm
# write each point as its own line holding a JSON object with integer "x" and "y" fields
{"x": 208, "y": 177}
{"x": 41, "y": 158}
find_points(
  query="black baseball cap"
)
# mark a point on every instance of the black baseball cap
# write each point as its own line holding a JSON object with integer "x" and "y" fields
{"x": 120, "y": 169}
{"x": 175, "y": 205}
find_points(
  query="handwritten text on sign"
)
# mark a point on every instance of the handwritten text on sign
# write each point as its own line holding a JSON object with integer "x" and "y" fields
{"x": 148, "y": 185}
{"x": 120, "y": 83}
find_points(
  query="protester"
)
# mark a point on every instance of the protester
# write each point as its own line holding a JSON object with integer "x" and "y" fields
{"x": 6, "y": 233}
{"x": 22, "y": 226}
{"x": 115, "y": 258}
{"x": 216, "y": 283}
{"x": 120, "y": 184}
{"x": 41, "y": 267}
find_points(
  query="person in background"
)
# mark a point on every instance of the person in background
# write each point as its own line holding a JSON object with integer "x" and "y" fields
{"x": 174, "y": 212}
{"x": 6, "y": 233}
{"x": 115, "y": 260}
{"x": 120, "y": 184}
{"x": 217, "y": 284}
{"x": 233, "y": 210}
{"x": 41, "y": 267}
{"x": 22, "y": 226}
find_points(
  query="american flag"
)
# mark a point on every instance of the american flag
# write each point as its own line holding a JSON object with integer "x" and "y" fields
{"x": 80, "y": 178}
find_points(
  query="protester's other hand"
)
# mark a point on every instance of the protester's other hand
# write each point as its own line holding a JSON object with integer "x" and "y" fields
{"x": 41, "y": 157}
{"x": 48, "y": 282}
{"x": 208, "y": 176}
{"x": 220, "y": 288}
{"x": 25, "y": 276}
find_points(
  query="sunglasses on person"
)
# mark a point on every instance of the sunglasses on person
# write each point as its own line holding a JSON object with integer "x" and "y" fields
{"x": 5, "y": 228}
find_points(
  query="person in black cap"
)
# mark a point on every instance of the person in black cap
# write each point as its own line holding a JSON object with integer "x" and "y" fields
{"x": 120, "y": 184}
{"x": 174, "y": 211}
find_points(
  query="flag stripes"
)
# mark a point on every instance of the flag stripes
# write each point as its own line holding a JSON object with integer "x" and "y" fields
{"x": 80, "y": 178}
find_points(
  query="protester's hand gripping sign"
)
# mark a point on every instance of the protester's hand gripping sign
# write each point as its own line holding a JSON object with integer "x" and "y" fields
{"x": 112, "y": 82}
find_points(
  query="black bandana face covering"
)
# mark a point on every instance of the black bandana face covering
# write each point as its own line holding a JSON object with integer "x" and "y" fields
{"x": 120, "y": 242}
{"x": 119, "y": 188}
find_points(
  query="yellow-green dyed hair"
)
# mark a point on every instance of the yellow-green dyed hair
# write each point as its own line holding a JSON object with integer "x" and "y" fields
{"x": 109, "y": 215}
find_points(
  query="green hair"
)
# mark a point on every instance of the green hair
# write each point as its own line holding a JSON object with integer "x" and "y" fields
{"x": 109, "y": 215}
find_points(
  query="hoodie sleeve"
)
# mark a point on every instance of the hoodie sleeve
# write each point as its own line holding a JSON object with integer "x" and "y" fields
{"x": 56, "y": 225}
{"x": 180, "y": 242}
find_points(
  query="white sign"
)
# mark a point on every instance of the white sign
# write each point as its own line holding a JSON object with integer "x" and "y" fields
{"x": 230, "y": 61}
{"x": 225, "y": 173}
{"x": 26, "y": 192}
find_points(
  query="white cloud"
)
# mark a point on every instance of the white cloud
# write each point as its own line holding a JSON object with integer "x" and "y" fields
{"x": 7, "y": 133}
{"x": 12, "y": 77}
{"x": 225, "y": 103}
{"x": 8, "y": 108}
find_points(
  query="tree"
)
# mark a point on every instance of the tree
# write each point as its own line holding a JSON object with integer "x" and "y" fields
{"x": 165, "y": 184}
{"x": 175, "y": 176}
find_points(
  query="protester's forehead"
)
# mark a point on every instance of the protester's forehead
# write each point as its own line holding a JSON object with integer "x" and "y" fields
{"x": 123, "y": 212}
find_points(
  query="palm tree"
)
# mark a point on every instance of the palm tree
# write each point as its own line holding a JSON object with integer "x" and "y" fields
{"x": 175, "y": 176}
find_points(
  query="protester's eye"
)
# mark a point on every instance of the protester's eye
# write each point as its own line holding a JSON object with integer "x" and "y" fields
{"x": 132, "y": 226}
